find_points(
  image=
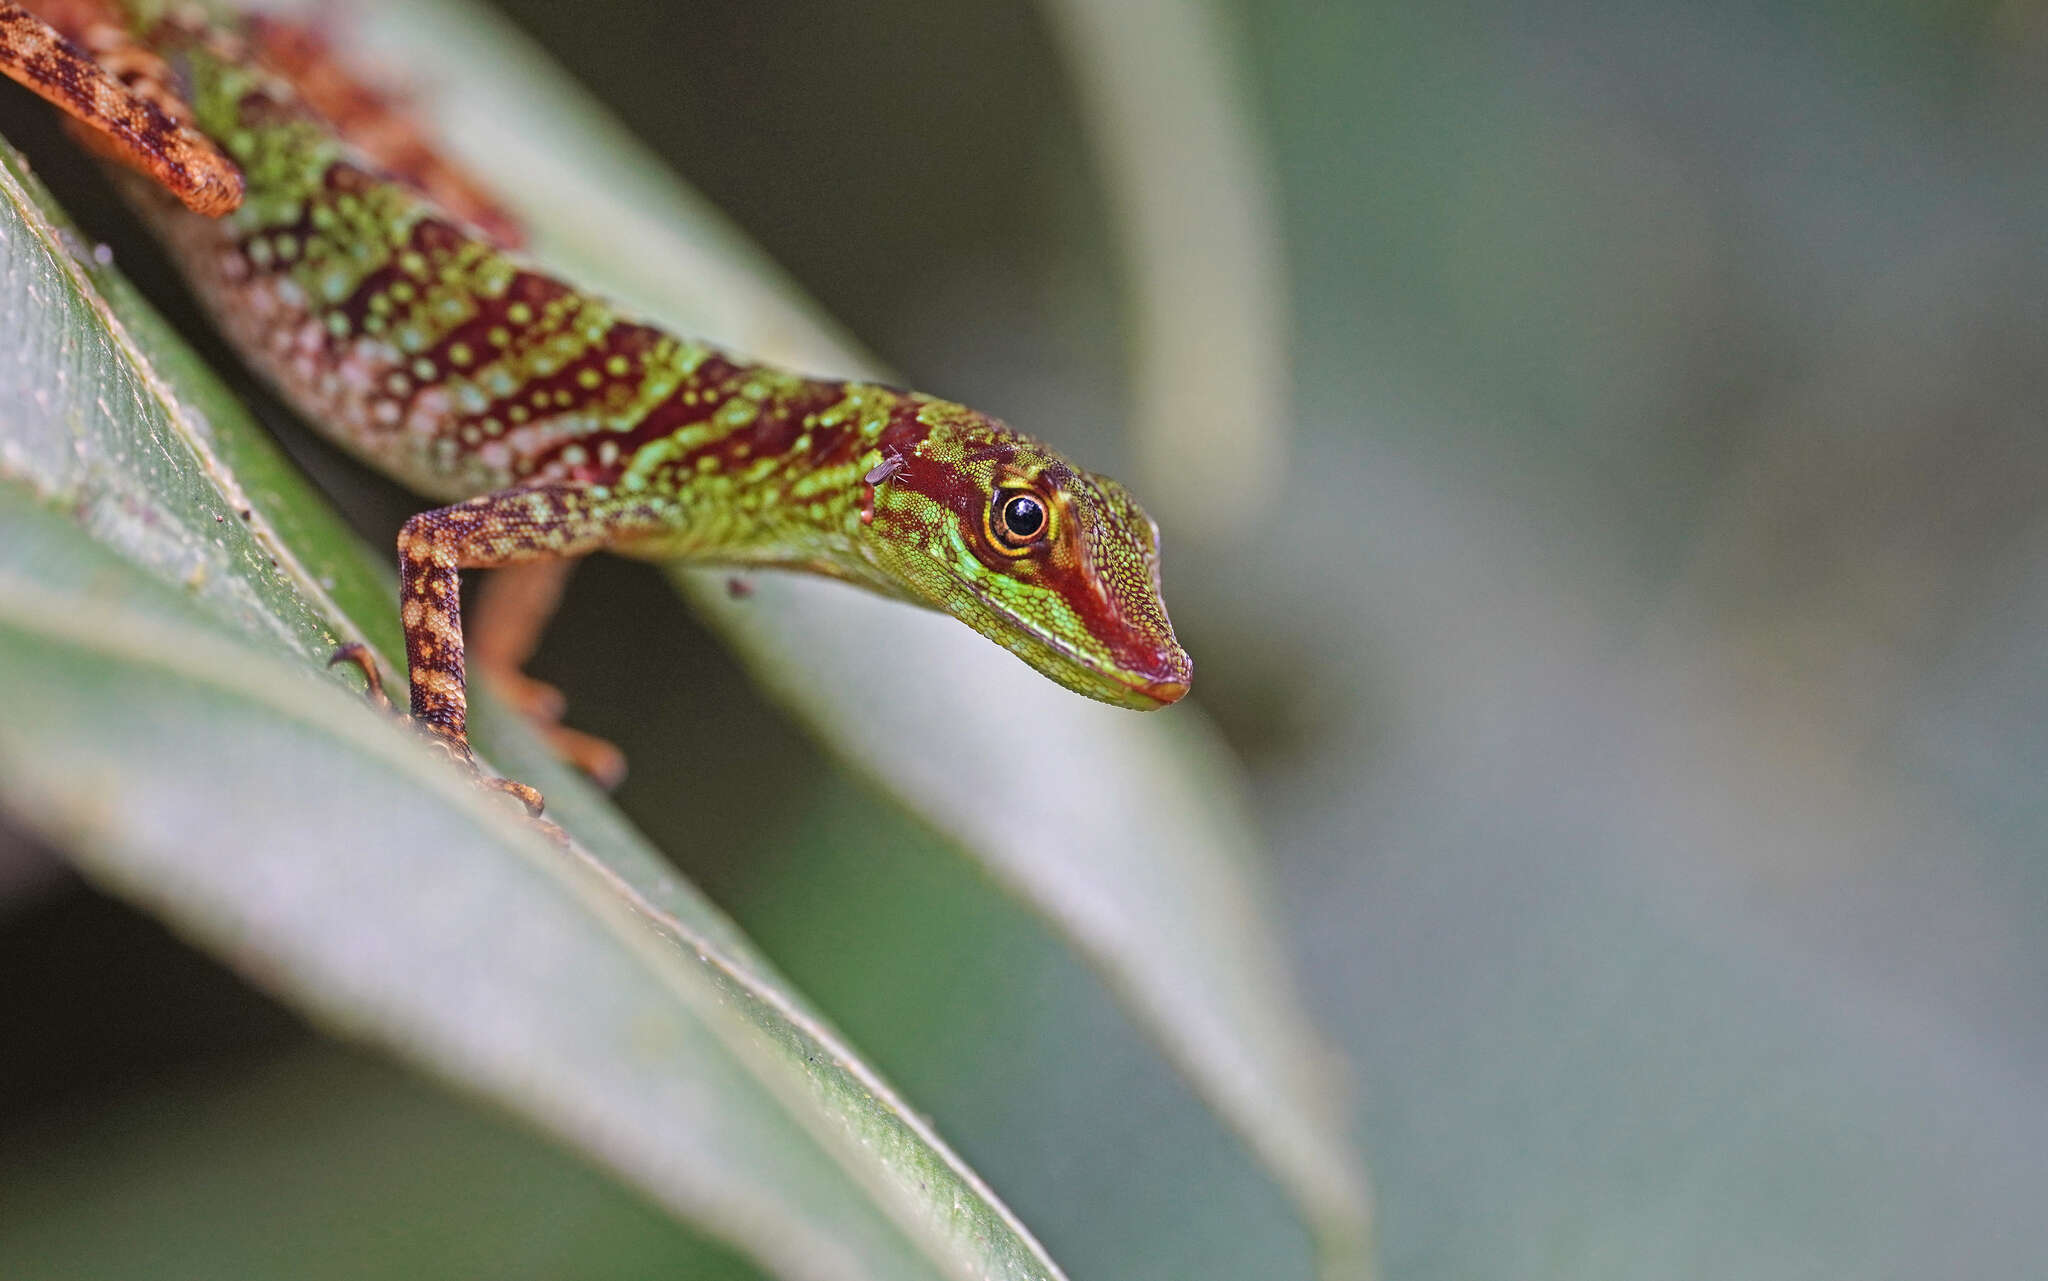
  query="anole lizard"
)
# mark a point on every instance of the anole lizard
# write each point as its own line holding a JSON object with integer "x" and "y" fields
{"x": 373, "y": 286}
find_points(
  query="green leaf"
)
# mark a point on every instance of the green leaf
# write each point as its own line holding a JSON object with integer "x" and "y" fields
{"x": 168, "y": 593}
{"x": 318, "y": 1164}
{"x": 1126, "y": 831}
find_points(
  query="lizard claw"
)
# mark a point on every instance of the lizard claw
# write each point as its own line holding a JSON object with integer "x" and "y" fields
{"x": 457, "y": 750}
{"x": 373, "y": 677}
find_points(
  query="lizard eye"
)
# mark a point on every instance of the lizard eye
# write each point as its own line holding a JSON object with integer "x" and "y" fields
{"x": 1018, "y": 519}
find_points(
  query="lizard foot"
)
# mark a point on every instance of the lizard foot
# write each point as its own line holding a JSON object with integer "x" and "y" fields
{"x": 513, "y": 605}
{"x": 456, "y": 749}
{"x": 542, "y": 705}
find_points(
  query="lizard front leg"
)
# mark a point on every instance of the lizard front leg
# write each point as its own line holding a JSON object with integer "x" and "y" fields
{"x": 511, "y": 527}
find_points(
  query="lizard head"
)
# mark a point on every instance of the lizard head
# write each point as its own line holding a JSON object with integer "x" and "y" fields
{"x": 1058, "y": 566}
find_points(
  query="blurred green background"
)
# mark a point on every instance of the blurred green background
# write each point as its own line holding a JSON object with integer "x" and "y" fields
{"x": 1643, "y": 674}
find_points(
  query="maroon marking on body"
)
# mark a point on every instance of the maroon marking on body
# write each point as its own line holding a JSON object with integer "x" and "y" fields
{"x": 831, "y": 446}
{"x": 672, "y": 414}
{"x": 905, "y": 431}
{"x": 777, "y": 426}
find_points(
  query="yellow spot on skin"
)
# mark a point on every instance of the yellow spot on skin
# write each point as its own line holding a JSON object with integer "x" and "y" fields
{"x": 439, "y": 684}
{"x": 519, "y": 314}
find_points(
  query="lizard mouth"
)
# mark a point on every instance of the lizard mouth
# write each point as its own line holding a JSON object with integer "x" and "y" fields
{"x": 1167, "y": 684}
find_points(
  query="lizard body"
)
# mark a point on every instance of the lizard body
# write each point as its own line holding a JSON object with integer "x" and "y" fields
{"x": 554, "y": 426}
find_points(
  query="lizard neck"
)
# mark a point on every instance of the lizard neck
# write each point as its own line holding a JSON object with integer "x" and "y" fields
{"x": 763, "y": 466}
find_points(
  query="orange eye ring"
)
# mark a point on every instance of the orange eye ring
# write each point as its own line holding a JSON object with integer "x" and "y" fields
{"x": 1016, "y": 521}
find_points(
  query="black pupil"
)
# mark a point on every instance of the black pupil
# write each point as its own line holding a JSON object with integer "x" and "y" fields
{"x": 1023, "y": 516}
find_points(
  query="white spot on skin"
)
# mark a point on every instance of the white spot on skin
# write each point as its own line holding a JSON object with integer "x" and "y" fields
{"x": 357, "y": 374}
{"x": 541, "y": 437}
{"x": 429, "y": 412}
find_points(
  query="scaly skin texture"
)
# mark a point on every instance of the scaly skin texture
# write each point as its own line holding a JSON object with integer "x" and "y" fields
{"x": 554, "y": 426}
